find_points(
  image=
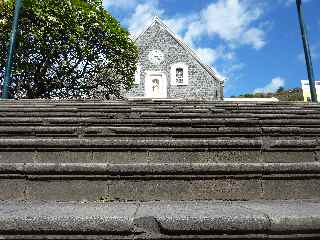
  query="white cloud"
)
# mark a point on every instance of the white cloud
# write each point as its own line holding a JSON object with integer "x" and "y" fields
{"x": 255, "y": 37}
{"x": 195, "y": 30}
{"x": 273, "y": 86}
{"x": 145, "y": 12}
{"x": 121, "y": 4}
{"x": 231, "y": 20}
{"x": 179, "y": 24}
{"x": 235, "y": 22}
{"x": 143, "y": 16}
{"x": 210, "y": 55}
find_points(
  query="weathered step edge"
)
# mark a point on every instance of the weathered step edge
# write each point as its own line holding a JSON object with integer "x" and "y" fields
{"x": 4, "y": 121}
{"x": 85, "y": 143}
{"x": 146, "y": 169}
{"x": 159, "y": 181}
{"x": 160, "y": 220}
{"x": 147, "y": 131}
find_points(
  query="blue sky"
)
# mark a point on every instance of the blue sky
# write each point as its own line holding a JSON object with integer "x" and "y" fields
{"x": 255, "y": 44}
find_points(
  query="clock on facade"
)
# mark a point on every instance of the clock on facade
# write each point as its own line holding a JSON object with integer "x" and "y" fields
{"x": 156, "y": 56}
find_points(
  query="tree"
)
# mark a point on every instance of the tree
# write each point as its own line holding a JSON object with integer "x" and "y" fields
{"x": 280, "y": 90}
{"x": 67, "y": 49}
{"x": 292, "y": 94}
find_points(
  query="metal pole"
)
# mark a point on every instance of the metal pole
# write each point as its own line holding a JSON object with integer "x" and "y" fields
{"x": 7, "y": 76}
{"x": 306, "y": 47}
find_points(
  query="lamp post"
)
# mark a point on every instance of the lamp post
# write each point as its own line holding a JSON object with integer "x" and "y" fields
{"x": 7, "y": 76}
{"x": 307, "y": 53}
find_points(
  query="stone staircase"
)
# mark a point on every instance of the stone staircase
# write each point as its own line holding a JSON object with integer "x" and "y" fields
{"x": 159, "y": 170}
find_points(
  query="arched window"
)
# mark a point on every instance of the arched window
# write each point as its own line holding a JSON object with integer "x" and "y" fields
{"x": 179, "y": 74}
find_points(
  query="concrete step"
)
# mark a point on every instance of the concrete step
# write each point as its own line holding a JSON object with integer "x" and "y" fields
{"x": 156, "y": 114}
{"x": 158, "y": 150}
{"x": 155, "y": 107}
{"x": 159, "y": 181}
{"x": 154, "y": 131}
{"x": 195, "y": 114}
{"x": 158, "y": 122}
{"x": 161, "y": 220}
{"x": 153, "y": 103}
{"x": 163, "y": 150}
{"x": 191, "y": 144}
{"x": 144, "y": 169}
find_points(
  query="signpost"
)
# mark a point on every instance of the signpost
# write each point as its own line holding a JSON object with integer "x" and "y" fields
{"x": 307, "y": 53}
{"x": 7, "y": 76}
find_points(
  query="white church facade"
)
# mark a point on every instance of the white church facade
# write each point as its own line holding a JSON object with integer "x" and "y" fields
{"x": 169, "y": 69}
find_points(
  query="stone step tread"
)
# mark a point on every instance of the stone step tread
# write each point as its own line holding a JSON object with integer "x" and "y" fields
{"x": 129, "y": 104}
{"x": 147, "y": 131}
{"x": 140, "y": 168}
{"x": 155, "y": 135}
{"x": 263, "y": 114}
{"x": 136, "y": 107}
{"x": 147, "y": 101}
{"x": 155, "y": 121}
{"x": 49, "y": 115}
{"x": 158, "y": 105}
{"x": 145, "y": 186}
{"x": 163, "y": 219}
{"x": 157, "y": 143}
{"x": 155, "y": 129}
{"x": 119, "y": 103}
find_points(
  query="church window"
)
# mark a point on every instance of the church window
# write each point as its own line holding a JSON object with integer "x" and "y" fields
{"x": 179, "y": 74}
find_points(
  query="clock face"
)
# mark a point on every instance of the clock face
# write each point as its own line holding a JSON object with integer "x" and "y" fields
{"x": 156, "y": 56}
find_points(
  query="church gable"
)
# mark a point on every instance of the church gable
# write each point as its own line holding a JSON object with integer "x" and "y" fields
{"x": 170, "y": 70}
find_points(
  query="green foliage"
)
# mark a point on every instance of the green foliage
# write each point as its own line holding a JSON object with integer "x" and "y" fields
{"x": 67, "y": 49}
{"x": 280, "y": 90}
{"x": 294, "y": 94}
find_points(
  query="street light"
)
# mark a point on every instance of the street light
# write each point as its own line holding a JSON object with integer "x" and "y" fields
{"x": 307, "y": 53}
{"x": 7, "y": 76}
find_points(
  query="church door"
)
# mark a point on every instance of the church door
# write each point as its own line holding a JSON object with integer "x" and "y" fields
{"x": 155, "y": 85}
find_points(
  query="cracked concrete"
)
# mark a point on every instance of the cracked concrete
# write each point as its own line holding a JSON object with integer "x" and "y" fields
{"x": 160, "y": 218}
